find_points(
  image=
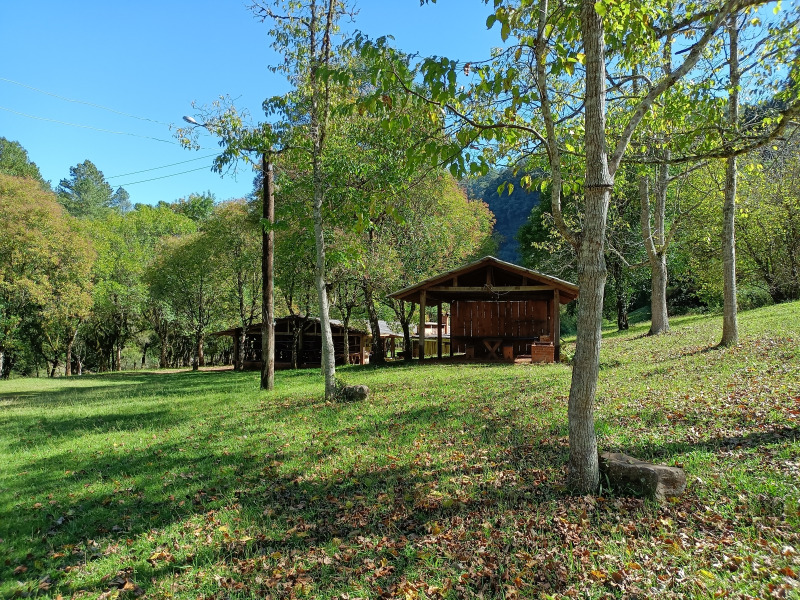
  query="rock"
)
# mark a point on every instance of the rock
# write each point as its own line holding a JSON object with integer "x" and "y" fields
{"x": 353, "y": 393}
{"x": 644, "y": 478}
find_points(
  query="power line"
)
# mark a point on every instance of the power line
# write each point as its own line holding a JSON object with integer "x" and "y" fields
{"x": 161, "y": 167}
{"x": 147, "y": 137}
{"x": 162, "y": 177}
{"x": 119, "y": 112}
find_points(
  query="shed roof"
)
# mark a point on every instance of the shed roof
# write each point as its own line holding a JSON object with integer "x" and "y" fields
{"x": 487, "y": 279}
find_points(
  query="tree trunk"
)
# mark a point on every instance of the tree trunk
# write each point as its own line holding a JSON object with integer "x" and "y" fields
{"x": 239, "y": 366}
{"x": 267, "y": 266}
{"x": 68, "y": 358}
{"x": 584, "y": 472}
{"x": 118, "y": 356}
{"x": 53, "y": 370}
{"x": 346, "y": 335}
{"x": 378, "y": 354}
{"x": 655, "y": 243}
{"x": 730, "y": 326}
{"x": 201, "y": 359}
{"x": 2, "y": 363}
{"x": 162, "y": 357}
{"x": 296, "y": 345}
{"x": 658, "y": 295}
{"x": 618, "y": 275}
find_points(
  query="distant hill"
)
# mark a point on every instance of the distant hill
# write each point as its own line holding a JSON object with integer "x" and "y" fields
{"x": 510, "y": 210}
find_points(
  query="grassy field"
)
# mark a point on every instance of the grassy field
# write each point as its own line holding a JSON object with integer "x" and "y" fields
{"x": 446, "y": 483}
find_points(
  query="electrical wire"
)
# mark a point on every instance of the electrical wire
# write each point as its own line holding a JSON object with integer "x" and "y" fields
{"x": 119, "y": 112}
{"x": 147, "y": 137}
{"x": 163, "y": 176}
{"x": 183, "y": 162}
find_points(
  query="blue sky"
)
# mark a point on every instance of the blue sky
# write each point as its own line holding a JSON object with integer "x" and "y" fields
{"x": 149, "y": 60}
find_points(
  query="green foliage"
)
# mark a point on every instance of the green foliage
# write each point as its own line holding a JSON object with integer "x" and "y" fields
{"x": 14, "y": 161}
{"x": 769, "y": 222}
{"x": 197, "y": 207}
{"x": 86, "y": 193}
{"x": 45, "y": 267}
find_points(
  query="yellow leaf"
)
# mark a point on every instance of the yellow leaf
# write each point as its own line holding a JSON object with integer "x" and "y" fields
{"x": 705, "y": 573}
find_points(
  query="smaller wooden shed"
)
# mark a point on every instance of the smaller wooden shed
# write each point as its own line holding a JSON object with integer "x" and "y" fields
{"x": 305, "y": 332}
{"x": 498, "y": 310}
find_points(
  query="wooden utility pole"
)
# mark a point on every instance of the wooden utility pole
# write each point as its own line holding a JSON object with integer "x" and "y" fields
{"x": 267, "y": 260}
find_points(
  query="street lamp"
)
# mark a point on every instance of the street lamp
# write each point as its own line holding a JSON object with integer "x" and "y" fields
{"x": 267, "y": 266}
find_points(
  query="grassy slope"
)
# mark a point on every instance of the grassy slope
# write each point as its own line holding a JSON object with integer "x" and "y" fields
{"x": 446, "y": 483}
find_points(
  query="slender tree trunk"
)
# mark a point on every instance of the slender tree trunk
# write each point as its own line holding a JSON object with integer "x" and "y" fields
{"x": 618, "y": 275}
{"x": 654, "y": 242}
{"x": 68, "y": 358}
{"x": 730, "y": 326}
{"x": 320, "y": 54}
{"x": 239, "y": 366}
{"x": 201, "y": 359}
{"x": 267, "y": 268}
{"x": 53, "y": 370}
{"x": 118, "y": 355}
{"x": 2, "y": 363}
{"x": 296, "y": 346}
{"x": 346, "y": 335}
{"x": 584, "y": 472}
{"x": 162, "y": 357}
{"x": 658, "y": 295}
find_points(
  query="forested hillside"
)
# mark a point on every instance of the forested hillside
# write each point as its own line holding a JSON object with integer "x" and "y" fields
{"x": 511, "y": 210}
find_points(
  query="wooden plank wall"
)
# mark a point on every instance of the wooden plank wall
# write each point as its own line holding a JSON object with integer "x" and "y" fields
{"x": 511, "y": 319}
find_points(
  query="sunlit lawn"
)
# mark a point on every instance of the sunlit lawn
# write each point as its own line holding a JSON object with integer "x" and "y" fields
{"x": 447, "y": 482}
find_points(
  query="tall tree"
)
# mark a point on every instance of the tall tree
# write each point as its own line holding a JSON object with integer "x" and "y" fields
{"x": 14, "y": 161}
{"x": 86, "y": 193}
{"x": 44, "y": 264}
{"x": 185, "y": 276}
{"x": 233, "y": 231}
{"x": 303, "y": 32}
{"x": 550, "y": 110}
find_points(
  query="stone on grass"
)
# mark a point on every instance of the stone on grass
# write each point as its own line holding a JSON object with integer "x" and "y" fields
{"x": 353, "y": 393}
{"x": 655, "y": 481}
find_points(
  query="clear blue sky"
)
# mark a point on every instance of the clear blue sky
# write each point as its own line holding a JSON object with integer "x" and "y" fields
{"x": 150, "y": 60}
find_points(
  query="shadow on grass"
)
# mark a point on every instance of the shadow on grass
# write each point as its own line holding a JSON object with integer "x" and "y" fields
{"x": 92, "y": 387}
{"x": 666, "y": 450}
{"x": 290, "y": 512}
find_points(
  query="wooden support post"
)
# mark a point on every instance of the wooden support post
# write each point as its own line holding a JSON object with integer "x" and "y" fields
{"x": 556, "y": 326}
{"x": 421, "y": 332}
{"x": 439, "y": 330}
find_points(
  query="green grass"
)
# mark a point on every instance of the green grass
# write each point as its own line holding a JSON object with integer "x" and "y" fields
{"x": 447, "y": 482}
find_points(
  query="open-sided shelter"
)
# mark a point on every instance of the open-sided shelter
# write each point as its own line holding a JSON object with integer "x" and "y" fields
{"x": 497, "y": 309}
{"x": 303, "y": 334}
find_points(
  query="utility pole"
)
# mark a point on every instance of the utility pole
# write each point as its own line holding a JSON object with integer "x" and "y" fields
{"x": 267, "y": 259}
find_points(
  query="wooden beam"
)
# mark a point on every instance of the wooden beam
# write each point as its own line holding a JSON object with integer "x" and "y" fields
{"x": 439, "y": 330}
{"x": 497, "y": 288}
{"x": 421, "y": 332}
{"x": 556, "y": 326}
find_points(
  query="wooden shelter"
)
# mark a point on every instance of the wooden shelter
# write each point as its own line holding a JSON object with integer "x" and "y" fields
{"x": 498, "y": 310}
{"x": 305, "y": 333}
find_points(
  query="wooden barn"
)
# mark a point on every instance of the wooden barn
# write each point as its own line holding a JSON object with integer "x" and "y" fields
{"x": 302, "y": 334}
{"x": 498, "y": 310}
